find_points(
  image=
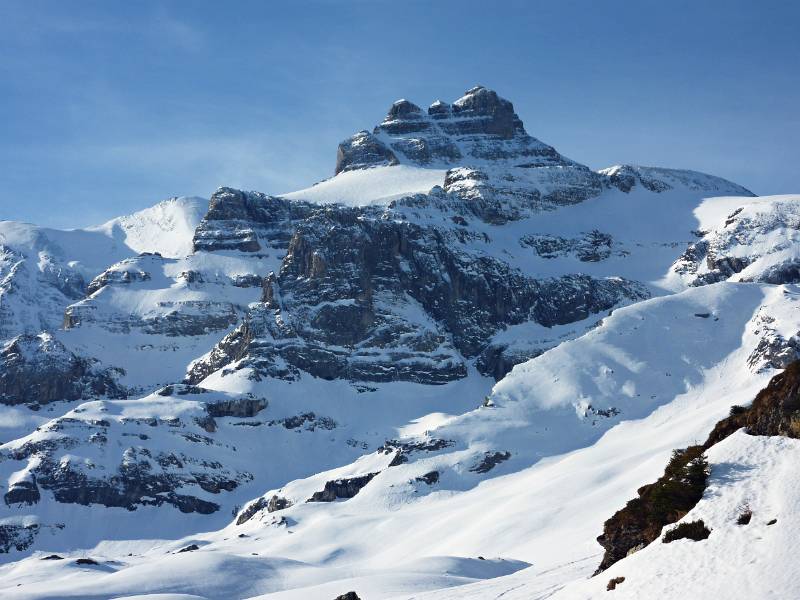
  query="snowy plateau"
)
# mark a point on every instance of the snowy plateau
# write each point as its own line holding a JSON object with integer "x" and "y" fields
{"x": 465, "y": 366}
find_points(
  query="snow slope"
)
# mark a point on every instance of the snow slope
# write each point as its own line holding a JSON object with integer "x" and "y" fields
{"x": 377, "y": 185}
{"x": 166, "y": 228}
{"x": 739, "y": 562}
{"x": 542, "y": 511}
{"x": 615, "y": 366}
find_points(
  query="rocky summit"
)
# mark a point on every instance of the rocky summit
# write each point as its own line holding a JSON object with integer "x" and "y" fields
{"x": 449, "y": 363}
{"x": 483, "y": 144}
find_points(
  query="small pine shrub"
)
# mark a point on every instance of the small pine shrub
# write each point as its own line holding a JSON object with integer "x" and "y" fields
{"x": 682, "y": 486}
{"x": 695, "y": 530}
{"x": 737, "y": 410}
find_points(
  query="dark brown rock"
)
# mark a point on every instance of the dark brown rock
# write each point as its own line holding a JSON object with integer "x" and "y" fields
{"x": 341, "y": 488}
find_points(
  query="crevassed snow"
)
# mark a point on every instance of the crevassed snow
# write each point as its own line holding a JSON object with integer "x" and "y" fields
{"x": 378, "y": 185}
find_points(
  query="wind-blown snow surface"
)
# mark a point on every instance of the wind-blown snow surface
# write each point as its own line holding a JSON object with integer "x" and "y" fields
{"x": 377, "y": 185}
{"x": 672, "y": 366}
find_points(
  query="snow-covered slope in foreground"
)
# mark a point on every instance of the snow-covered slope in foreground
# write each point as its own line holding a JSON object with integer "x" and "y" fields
{"x": 736, "y": 562}
{"x": 673, "y": 366}
{"x": 378, "y": 185}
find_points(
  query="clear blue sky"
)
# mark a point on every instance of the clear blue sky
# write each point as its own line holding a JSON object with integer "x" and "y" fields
{"x": 108, "y": 107}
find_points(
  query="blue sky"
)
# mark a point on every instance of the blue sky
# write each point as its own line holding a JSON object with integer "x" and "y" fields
{"x": 108, "y": 107}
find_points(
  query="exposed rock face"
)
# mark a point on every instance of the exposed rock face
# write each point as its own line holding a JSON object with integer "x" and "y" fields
{"x": 366, "y": 298}
{"x": 39, "y": 369}
{"x": 248, "y": 221}
{"x": 240, "y": 407}
{"x": 232, "y": 348}
{"x": 135, "y": 484}
{"x": 594, "y": 246}
{"x": 363, "y": 150}
{"x": 483, "y": 141}
{"x": 774, "y": 351}
{"x": 775, "y": 410}
{"x": 402, "y": 450}
{"x": 277, "y": 503}
{"x": 180, "y": 317}
{"x": 91, "y": 456}
{"x": 489, "y": 461}
{"x": 35, "y": 286}
{"x": 480, "y": 125}
{"x": 341, "y": 488}
{"x": 274, "y": 504}
{"x": 20, "y": 537}
{"x": 250, "y": 510}
{"x": 430, "y": 477}
{"x": 22, "y": 491}
{"x": 497, "y": 360}
{"x": 128, "y": 272}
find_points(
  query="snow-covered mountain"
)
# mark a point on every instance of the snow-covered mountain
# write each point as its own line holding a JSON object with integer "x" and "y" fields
{"x": 43, "y": 270}
{"x": 439, "y": 372}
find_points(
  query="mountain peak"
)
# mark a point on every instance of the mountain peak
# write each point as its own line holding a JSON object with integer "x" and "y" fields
{"x": 402, "y": 108}
{"x": 479, "y": 126}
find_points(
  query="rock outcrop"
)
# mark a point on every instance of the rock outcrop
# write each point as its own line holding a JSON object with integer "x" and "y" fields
{"x": 774, "y": 411}
{"x": 756, "y": 242}
{"x": 659, "y": 179}
{"x": 97, "y": 455}
{"x": 248, "y": 222}
{"x": 38, "y": 369}
{"x": 341, "y": 488}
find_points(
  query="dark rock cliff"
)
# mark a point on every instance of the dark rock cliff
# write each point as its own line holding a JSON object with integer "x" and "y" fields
{"x": 368, "y": 298}
{"x": 39, "y": 369}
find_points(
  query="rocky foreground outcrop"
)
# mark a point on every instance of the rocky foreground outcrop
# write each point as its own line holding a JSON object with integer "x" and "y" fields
{"x": 775, "y": 412}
